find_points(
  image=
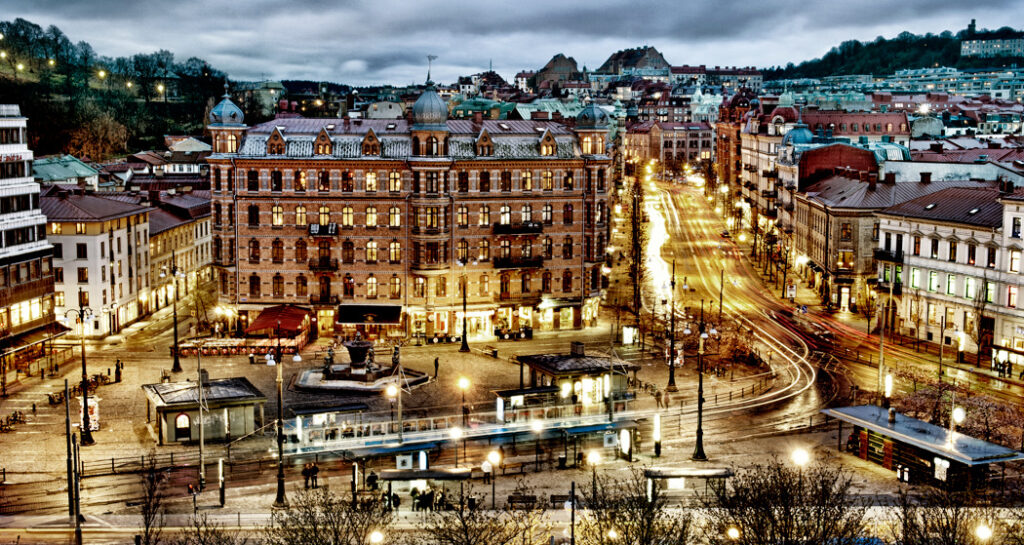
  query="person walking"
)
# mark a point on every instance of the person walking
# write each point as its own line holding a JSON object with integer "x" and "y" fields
{"x": 657, "y": 397}
{"x": 487, "y": 468}
{"x": 314, "y": 472}
{"x": 306, "y": 474}
{"x": 437, "y": 364}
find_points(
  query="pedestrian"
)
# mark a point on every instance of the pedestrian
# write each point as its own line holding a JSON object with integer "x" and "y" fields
{"x": 252, "y": 358}
{"x": 487, "y": 468}
{"x": 657, "y": 397}
{"x": 436, "y": 365}
{"x": 395, "y": 501}
{"x": 666, "y": 400}
{"x": 33, "y": 409}
{"x": 305, "y": 476}
{"x": 371, "y": 480}
{"x": 314, "y": 472}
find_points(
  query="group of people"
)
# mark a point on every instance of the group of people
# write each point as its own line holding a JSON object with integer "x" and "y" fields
{"x": 310, "y": 472}
{"x": 1005, "y": 370}
{"x": 429, "y": 501}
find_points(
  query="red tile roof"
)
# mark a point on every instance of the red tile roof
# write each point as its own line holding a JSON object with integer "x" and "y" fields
{"x": 59, "y": 204}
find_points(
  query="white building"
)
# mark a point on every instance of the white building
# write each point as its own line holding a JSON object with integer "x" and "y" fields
{"x": 100, "y": 257}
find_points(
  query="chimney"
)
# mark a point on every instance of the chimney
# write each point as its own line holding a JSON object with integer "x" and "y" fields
{"x": 983, "y": 158}
{"x": 935, "y": 147}
{"x": 154, "y": 196}
{"x": 478, "y": 117}
{"x": 538, "y": 115}
{"x": 862, "y": 176}
{"x": 890, "y": 177}
{"x": 992, "y": 144}
{"x": 576, "y": 349}
{"x": 556, "y": 115}
{"x": 926, "y": 177}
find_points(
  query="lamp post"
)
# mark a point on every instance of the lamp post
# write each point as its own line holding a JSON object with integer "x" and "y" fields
{"x": 704, "y": 333}
{"x": 280, "y": 500}
{"x": 202, "y": 408}
{"x": 465, "y": 319}
{"x": 175, "y": 273}
{"x": 538, "y": 428}
{"x": 463, "y": 385}
{"x": 455, "y": 434}
{"x": 672, "y": 340}
{"x": 594, "y": 458}
{"x": 395, "y": 392}
{"x": 494, "y": 457}
{"x": 82, "y": 313}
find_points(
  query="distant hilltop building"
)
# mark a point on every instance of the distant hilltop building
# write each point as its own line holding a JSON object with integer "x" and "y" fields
{"x": 1004, "y": 42}
{"x": 560, "y": 68}
{"x": 638, "y": 58}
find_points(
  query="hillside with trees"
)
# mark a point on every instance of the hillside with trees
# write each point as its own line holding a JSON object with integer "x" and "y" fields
{"x": 884, "y": 56}
{"x": 82, "y": 103}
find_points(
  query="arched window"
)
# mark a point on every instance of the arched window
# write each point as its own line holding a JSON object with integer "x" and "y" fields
{"x": 348, "y": 252}
{"x": 325, "y": 289}
{"x": 218, "y": 246}
{"x": 396, "y": 287}
{"x": 182, "y": 427}
{"x": 216, "y": 215}
{"x": 301, "y": 286}
{"x": 371, "y": 251}
{"x": 504, "y": 284}
{"x": 545, "y": 282}
{"x": 348, "y": 181}
{"x": 254, "y": 251}
{"x": 526, "y": 181}
{"x": 299, "y": 182}
{"x": 547, "y": 214}
{"x": 525, "y": 282}
{"x": 254, "y": 215}
{"x": 485, "y": 182}
{"x": 567, "y": 214}
{"x": 567, "y": 248}
{"x": 277, "y": 251}
{"x": 526, "y": 250}
{"x": 395, "y": 251}
{"x": 506, "y": 248}
{"x": 371, "y": 216}
{"x": 348, "y": 286}
{"x": 526, "y": 213}
{"x": 277, "y": 215}
{"x": 278, "y": 286}
{"x": 462, "y": 251}
{"x": 462, "y": 216}
{"x": 370, "y": 182}
{"x": 506, "y": 180}
{"x": 432, "y": 147}
{"x": 567, "y": 281}
{"x": 505, "y": 216}
{"x": 323, "y": 181}
{"x": 587, "y": 145}
{"x": 395, "y": 217}
{"x": 485, "y": 250}
{"x": 347, "y": 219}
{"x": 547, "y": 180}
{"x": 394, "y": 181}
{"x": 485, "y": 285}
{"x": 567, "y": 182}
{"x": 548, "y": 247}
{"x": 300, "y": 216}
{"x": 416, "y": 146}
{"x": 485, "y": 215}
{"x": 254, "y": 286}
{"x": 325, "y": 215}
{"x": 371, "y": 288}
{"x": 252, "y": 182}
{"x": 276, "y": 181}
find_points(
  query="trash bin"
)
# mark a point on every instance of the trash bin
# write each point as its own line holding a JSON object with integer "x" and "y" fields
{"x": 561, "y": 461}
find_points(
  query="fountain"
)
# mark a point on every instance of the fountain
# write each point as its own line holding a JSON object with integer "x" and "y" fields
{"x": 360, "y": 374}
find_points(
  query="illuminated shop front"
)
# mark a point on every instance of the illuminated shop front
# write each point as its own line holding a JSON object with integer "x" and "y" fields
{"x": 580, "y": 378}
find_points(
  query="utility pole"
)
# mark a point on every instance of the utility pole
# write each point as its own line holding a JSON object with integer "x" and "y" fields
{"x": 202, "y": 410}
{"x": 672, "y": 341}
{"x": 881, "y": 352}
{"x": 698, "y": 450}
{"x": 176, "y": 368}
{"x": 67, "y": 433}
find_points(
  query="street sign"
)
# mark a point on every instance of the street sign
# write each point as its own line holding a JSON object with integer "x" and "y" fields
{"x": 791, "y": 291}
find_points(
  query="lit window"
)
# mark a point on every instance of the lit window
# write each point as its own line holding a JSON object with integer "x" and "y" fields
{"x": 371, "y": 182}
{"x": 371, "y": 216}
{"x": 278, "y": 214}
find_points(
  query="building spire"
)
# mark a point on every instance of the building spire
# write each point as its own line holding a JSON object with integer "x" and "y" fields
{"x": 430, "y": 60}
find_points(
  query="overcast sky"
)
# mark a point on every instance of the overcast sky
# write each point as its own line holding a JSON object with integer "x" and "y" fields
{"x": 384, "y": 41}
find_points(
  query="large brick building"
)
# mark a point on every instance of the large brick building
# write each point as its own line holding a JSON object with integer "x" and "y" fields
{"x": 376, "y": 224}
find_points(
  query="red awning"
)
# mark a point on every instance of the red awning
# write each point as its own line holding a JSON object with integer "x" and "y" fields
{"x": 290, "y": 319}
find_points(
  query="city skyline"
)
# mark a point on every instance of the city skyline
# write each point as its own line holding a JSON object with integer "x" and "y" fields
{"x": 371, "y": 44}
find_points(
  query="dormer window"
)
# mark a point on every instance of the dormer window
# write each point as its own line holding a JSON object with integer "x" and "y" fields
{"x": 276, "y": 143}
{"x": 548, "y": 145}
{"x": 484, "y": 145}
{"x": 433, "y": 148}
{"x": 323, "y": 145}
{"x": 371, "y": 146}
{"x": 588, "y": 145}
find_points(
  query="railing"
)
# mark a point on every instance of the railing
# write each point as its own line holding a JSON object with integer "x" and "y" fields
{"x": 769, "y": 194}
{"x": 884, "y": 287}
{"x": 26, "y": 290}
{"x": 882, "y": 254}
{"x": 427, "y": 266}
{"x": 10, "y": 110}
{"x": 430, "y": 230}
{"x": 323, "y": 299}
{"x": 518, "y": 262}
{"x": 524, "y": 228}
{"x": 323, "y": 264}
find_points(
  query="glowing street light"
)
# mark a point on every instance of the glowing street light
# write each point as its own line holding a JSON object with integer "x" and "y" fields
{"x": 983, "y": 532}
{"x": 800, "y": 457}
{"x": 613, "y": 534}
{"x": 494, "y": 457}
{"x": 733, "y": 533}
{"x": 538, "y": 428}
{"x": 51, "y": 62}
{"x": 959, "y": 414}
{"x": 102, "y": 74}
{"x": 455, "y": 434}
{"x": 375, "y": 537}
{"x": 129, "y": 85}
{"x": 594, "y": 458}
{"x": 463, "y": 384}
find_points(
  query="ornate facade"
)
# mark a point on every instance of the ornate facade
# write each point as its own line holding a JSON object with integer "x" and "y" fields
{"x": 377, "y": 224}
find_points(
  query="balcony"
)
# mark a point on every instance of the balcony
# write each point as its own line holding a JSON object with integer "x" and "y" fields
{"x": 884, "y": 287}
{"x": 770, "y": 174}
{"x": 890, "y": 256}
{"x": 317, "y": 230}
{"x": 529, "y": 298}
{"x": 789, "y": 207}
{"x": 26, "y": 290}
{"x": 429, "y": 266}
{"x": 518, "y": 262}
{"x": 323, "y": 264}
{"x": 321, "y": 299}
{"x": 772, "y": 213}
{"x": 769, "y": 194}
{"x": 524, "y": 228}
{"x": 430, "y": 231}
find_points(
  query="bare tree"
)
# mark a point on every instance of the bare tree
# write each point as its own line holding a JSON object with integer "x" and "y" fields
{"x": 943, "y": 517}
{"x": 152, "y": 506}
{"x": 973, "y": 325}
{"x": 319, "y": 517}
{"x": 625, "y": 511}
{"x": 465, "y": 526}
{"x": 778, "y": 503}
{"x": 916, "y": 300}
{"x": 637, "y": 242}
{"x": 869, "y": 307}
{"x": 202, "y": 531}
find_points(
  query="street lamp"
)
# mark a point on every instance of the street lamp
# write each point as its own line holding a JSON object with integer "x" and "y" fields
{"x": 983, "y": 532}
{"x": 733, "y": 533}
{"x": 455, "y": 434}
{"x": 393, "y": 392}
{"x": 82, "y": 313}
{"x": 465, "y": 319}
{"x": 538, "y": 428}
{"x": 800, "y": 457}
{"x": 672, "y": 340}
{"x": 280, "y": 500}
{"x": 375, "y": 537}
{"x": 175, "y": 274}
{"x": 463, "y": 384}
{"x": 594, "y": 458}
{"x": 494, "y": 457}
{"x": 704, "y": 333}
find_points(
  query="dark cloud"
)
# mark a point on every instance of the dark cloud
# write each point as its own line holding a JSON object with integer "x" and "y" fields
{"x": 386, "y": 41}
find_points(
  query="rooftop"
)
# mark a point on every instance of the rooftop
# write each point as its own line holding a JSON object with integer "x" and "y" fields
{"x": 166, "y": 394}
{"x": 843, "y": 192}
{"x": 973, "y": 206}
{"x": 938, "y": 440}
{"x": 60, "y": 204}
{"x": 61, "y": 167}
{"x": 572, "y": 364}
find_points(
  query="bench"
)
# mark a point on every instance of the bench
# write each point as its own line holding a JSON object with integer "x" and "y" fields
{"x": 514, "y": 467}
{"x": 521, "y": 501}
{"x": 559, "y": 500}
{"x": 488, "y": 350}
